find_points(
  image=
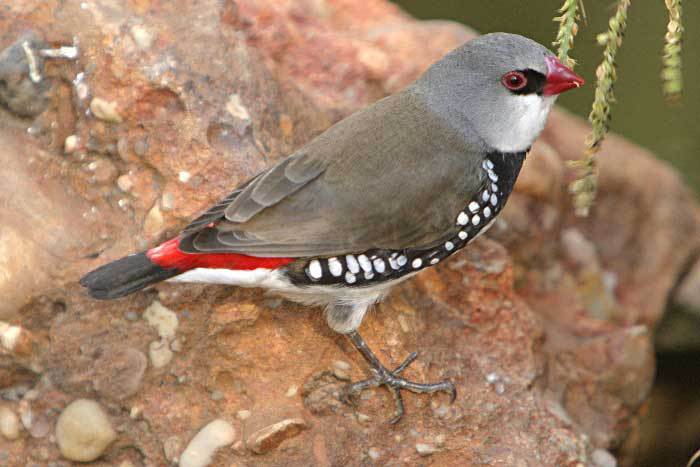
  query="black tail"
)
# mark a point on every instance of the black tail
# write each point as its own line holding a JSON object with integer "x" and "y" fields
{"x": 124, "y": 276}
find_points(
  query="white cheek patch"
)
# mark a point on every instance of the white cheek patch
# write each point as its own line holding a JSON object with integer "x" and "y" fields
{"x": 524, "y": 122}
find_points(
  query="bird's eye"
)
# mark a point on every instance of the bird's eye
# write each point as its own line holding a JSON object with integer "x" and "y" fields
{"x": 514, "y": 80}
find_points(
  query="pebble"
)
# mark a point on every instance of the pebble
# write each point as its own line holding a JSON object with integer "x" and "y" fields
{"x": 268, "y": 438}
{"x": 374, "y": 453}
{"x": 105, "y": 110}
{"x": 135, "y": 412}
{"x": 243, "y": 414}
{"x": 171, "y": 448}
{"x": 184, "y": 176}
{"x": 603, "y": 458}
{"x": 142, "y": 36}
{"x": 163, "y": 319}
{"x": 153, "y": 223}
{"x": 70, "y": 144}
{"x": 425, "y": 449}
{"x": 216, "y": 395}
{"x": 131, "y": 316}
{"x": 125, "y": 183}
{"x": 167, "y": 201}
{"x": 236, "y": 108}
{"x": 292, "y": 391}
{"x": 83, "y": 431}
{"x": 340, "y": 370}
{"x": 9, "y": 423}
{"x": 160, "y": 354}
{"x": 25, "y": 414}
{"x": 201, "y": 448}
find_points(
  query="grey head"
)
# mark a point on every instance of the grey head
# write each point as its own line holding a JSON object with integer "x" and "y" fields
{"x": 497, "y": 89}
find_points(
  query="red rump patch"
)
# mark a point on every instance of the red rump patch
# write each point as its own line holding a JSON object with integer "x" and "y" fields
{"x": 169, "y": 256}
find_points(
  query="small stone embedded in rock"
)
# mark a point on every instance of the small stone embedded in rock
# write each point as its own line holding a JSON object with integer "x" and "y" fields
{"x": 119, "y": 372}
{"x": 162, "y": 318}
{"x": 70, "y": 144}
{"x": 243, "y": 414}
{"x": 153, "y": 223}
{"x": 9, "y": 423}
{"x": 374, "y": 453}
{"x": 292, "y": 391}
{"x": 23, "y": 90}
{"x": 105, "y": 110}
{"x": 172, "y": 447}
{"x": 103, "y": 170}
{"x": 268, "y": 438}
{"x": 160, "y": 354}
{"x": 603, "y": 458}
{"x": 83, "y": 431}
{"x": 424, "y": 449}
{"x": 125, "y": 183}
{"x": 201, "y": 449}
{"x": 184, "y": 176}
{"x": 142, "y": 36}
{"x": 236, "y": 108}
{"x": 340, "y": 370}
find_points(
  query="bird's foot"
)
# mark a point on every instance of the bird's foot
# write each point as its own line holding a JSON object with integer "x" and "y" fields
{"x": 393, "y": 381}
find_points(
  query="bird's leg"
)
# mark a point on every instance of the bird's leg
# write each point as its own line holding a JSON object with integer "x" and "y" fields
{"x": 391, "y": 379}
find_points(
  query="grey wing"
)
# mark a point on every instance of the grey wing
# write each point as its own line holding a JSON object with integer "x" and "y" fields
{"x": 262, "y": 191}
{"x": 379, "y": 179}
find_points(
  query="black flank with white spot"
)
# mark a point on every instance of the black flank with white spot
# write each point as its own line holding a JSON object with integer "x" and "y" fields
{"x": 374, "y": 266}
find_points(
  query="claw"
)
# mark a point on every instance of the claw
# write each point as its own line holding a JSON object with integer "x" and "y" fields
{"x": 391, "y": 379}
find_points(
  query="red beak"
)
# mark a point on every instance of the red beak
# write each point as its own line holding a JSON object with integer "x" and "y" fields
{"x": 560, "y": 78}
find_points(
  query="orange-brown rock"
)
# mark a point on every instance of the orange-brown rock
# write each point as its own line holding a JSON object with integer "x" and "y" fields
{"x": 544, "y": 326}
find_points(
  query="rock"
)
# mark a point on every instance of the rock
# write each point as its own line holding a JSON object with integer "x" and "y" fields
{"x": 268, "y": 438}
{"x": 9, "y": 424}
{"x": 214, "y": 435}
{"x": 163, "y": 319}
{"x": 512, "y": 303}
{"x": 119, "y": 372}
{"x": 83, "y": 431}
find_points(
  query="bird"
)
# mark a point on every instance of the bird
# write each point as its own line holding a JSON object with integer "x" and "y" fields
{"x": 379, "y": 196}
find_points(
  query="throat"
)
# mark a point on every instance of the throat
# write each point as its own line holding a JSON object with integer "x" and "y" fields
{"x": 523, "y": 124}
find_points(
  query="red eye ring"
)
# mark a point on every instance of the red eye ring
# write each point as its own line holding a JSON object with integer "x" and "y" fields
{"x": 514, "y": 80}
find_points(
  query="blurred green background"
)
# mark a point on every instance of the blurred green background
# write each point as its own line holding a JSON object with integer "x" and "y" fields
{"x": 672, "y": 131}
{"x": 671, "y": 430}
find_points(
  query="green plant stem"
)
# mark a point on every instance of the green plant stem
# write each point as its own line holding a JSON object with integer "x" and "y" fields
{"x": 585, "y": 187}
{"x": 671, "y": 73}
{"x": 568, "y": 27}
